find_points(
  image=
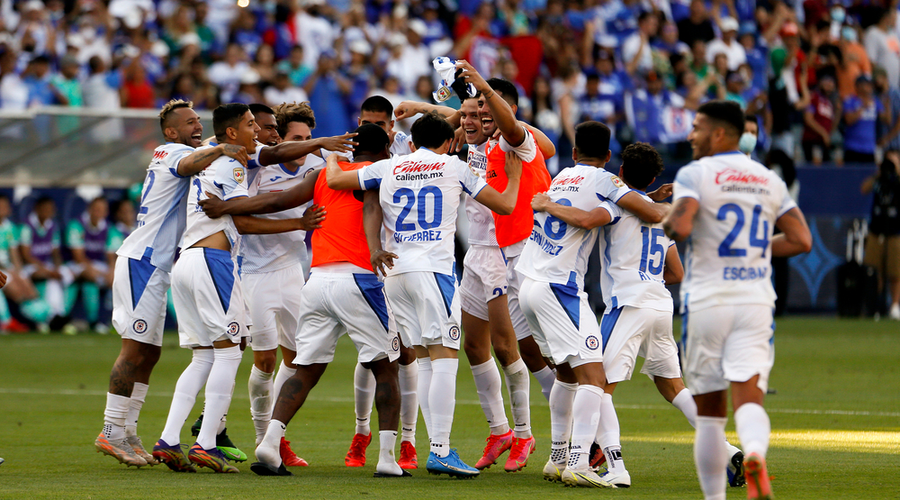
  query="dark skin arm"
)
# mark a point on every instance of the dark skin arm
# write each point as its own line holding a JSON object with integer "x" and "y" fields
{"x": 372, "y": 220}
{"x": 643, "y": 209}
{"x": 571, "y": 215}
{"x": 247, "y": 224}
{"x": 265, "y": 203}
{"x": 674, "y": 270}
{"x": 291, "y": 150}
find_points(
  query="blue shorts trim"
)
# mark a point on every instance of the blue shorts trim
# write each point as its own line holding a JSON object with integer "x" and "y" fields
{"x": 447, "y": 285}
{"x": 221, "y": 270}
{"x": 567, "y": 296}
{"x": 608, "y": 324}
{"x": 373, "y": 291}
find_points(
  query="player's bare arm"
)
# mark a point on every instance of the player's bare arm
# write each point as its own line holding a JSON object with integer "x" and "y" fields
{"x": 407, "y": 109}
{"x": 372, "y": 221}
{"x": 247, "y": 224}
{"x": 501, "y": 111}
{"x": 291, "y": 150}
{"x": 674, "y": 271}
{"x": 643, "y": 209}
{"x": 2, "y": 279}
{"x": 338, "y": 178}
{"x": 661, "y": 193}
{"x": 201, "y": 158}
{"x": 795, "y": 237}
{"x": 571, "y": 215}
{"x": 680, "y": 221}
{"x": 265, "y": 203}
{"x": 504, "y": 203}
{"x": 548, "y": 149}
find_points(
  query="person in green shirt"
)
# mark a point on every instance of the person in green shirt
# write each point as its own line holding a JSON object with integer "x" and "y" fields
{"x": 19, "y": 288}
{"x": 90, "y": 241}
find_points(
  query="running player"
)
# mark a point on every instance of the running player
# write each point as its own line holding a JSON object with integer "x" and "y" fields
{"x": 421, "y": 286}
{"x": 727, "y": 207}
{"x": 207, "y": 291}
{"x": 141, "y": 275}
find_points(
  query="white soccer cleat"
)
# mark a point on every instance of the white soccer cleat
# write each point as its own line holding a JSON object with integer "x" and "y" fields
{"x": 620, "y": 480}
{"x": 584, "y": 477}
{"x": 269, "y": 455}
{"x": 895, "y": 312}
{"x": 553, "y": 472}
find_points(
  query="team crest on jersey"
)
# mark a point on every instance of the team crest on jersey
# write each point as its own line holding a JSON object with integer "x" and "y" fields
{"x": 139, "y": 326}
{"x": 617, "y": 182}
{"x": 395, "y": 344}
{"x": 592, "y": 343}
{"x": 234, "y": 328}
{"x": 443, "y": 93}
{"x": 454, "y": 332}
{"x": 239, "y": 175}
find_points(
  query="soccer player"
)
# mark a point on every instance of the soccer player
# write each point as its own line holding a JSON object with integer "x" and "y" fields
{"x": 90, "y": 241}
{"x": 141, "y": 276}
{"x": 39, "y": 242}
{"x": 419, "y": 196}
{"x": 207, "y": 290}
{"x": 727, "y": 207}
{"x": 638, "y": 261}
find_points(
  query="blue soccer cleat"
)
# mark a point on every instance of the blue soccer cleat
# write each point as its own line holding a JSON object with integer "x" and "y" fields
{"x": 451, "y": 465}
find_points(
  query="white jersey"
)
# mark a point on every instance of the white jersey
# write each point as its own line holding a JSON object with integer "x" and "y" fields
{"x": 633, "y": 256}
{"x": 556, "y": 252}
{"x": 226, "y": 178}
{"x": 481, "y": 220}
{"x": 402, "y": 144}
{"x": 264, "y": 253}
{"x": 161, "y": 218}
{"x": 419, "y": 196}
{"x": 728, "y": 257}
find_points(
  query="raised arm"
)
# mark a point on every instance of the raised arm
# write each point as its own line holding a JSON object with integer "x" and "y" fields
{"x": 571, "y": 215}
{"x": 201, "y": 158}
{"x": 504, "y": 203}
{"x": 266, "y": 203}
{"x": 407, "y": 109}
{"x": 643, "y": 209}
{"x": 795, "y": 237}
{"x": 674, "y": 270}
{"x": 680, "y": 221}
{"x": 291, "y": 150}
{"x": 548, "y": 149}
{"x": 501, "y": 111}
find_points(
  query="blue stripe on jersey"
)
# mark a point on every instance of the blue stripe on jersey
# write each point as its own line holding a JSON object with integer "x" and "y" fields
{"x": 373, "y": 291}
{"x": 447, "y": 284}
{"x": 240, "y": 263}
{"x": 608, "y": 324}
{"x": 567, "y": 296}
{"x": 139, "y": 272}
{"x": 684, "y": 324}
{"x": 772, "y": 338}
{"x": 221, "y": 270}
{"x": 175, "y": 171}
{"x": 372, "y": 184}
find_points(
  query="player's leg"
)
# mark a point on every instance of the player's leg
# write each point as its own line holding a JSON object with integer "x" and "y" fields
{"x": 260, "y": 387}
{"x": 585, "y": 417}
{"x": 387, "y": 401}
{"x": 409, "y": 406}
{"x": 528, "y": 347}
{"x": 363, "y": 397}
{"x": 286, "y": 370}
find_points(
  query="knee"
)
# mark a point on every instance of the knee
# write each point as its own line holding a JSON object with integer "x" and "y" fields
{"x": 265, "y": 360}
{"x": 407, "y": 356}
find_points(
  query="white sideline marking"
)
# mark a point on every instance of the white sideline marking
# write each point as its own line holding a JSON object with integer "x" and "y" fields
{"x": 74, "y": 392}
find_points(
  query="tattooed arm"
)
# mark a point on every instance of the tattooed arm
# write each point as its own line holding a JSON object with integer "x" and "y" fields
{"x": 795, "y": 238}
{"x": 201, "y": 158}
{"x": 680, "y": 221}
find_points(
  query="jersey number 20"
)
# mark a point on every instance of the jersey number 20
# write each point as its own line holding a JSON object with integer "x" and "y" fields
{"x": 422, "y": 198}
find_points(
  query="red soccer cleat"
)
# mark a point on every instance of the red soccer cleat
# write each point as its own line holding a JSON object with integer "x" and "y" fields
{"x": 288, "y": 457}
{"x": 356, "y": 455}
{"x": 408, "y": 458}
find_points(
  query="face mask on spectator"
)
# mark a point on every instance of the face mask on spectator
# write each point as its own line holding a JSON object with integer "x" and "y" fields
{"x": 848, "y": 33}
{"x": 838, "y": 15}
{"x": 747, "y": 143}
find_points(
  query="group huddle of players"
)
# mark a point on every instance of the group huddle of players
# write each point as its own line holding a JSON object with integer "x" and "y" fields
{"x": 383, "y": 210}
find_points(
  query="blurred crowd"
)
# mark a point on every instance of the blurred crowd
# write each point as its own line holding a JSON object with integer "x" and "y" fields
{"x": 820, "y": 76}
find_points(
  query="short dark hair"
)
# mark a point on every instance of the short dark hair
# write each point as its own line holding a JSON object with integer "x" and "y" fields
{"x": 727, "y": 114}
{"x": 42, "y": 200}
{"x": 226, "y": 116}
{"x": 371, "y": 139}
{"x": 506, "y": 89}
{"x": 641, "y": 163}
{"x": 431, "y": 131}
{"x": 592, "y": 140}
{"x": 168, "y": 108}
{"x": 378, "y": 104}
{"x": 751, "y": 119}
{"x": 257, "y": 108}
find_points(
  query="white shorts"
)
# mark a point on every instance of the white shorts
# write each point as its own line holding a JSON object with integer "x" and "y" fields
{"x": 334, "y": 303}
{"x": 629, "y": 332}
{"x": 208, "y": 299}
{"x": 273, "y": 302}
{"x": 724, "y": 344}
{"x": 139, "y": 300}
{"x": 514, "y": 279}
{"x": 426, "y": 308}
{"x": 562, "y": 321}
{"x": 483, "y": 280}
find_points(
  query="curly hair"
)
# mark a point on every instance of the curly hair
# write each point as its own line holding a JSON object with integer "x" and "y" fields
{"x": 166, "y": 112}
{"x": 641, "y": 163}
{"x": 294, "y": 112}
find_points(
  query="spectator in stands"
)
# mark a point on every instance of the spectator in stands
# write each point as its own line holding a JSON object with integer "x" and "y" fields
{"x": 888, "y": 133}
{"x": 668, "y": 43}
{"x": 39, "y": 242}
{"x": 883, "y": 45}
{"x": 637, "y": 54}
{"x": 316, "y": 35}
{"x": 67, "y": 83}
{"x": 853, "y": 63}
{"x": 137, "y": 92}
{"x": 264, "y": 64}
{"x": 601, "y": 103}
{"x": 883, "y": 240}
{"x": 295, "y": 66}
{"x": 821, "y": 119}
{"x": 728, "y": 45}
{"x": 697, "y": 26}
{"x": 282, "y": 90}
{"x": 88, "y": 238}
{"x": 609, "y": 74}
{"x": 101, "y": 89}
{"x": 37, "y": 78}
{"x": 757, "y": 56}
{"x": 226, "y": 74}
{"x": 860, "y": 114}
{"x": 14, "y": 92}
{"x": 327, "y": 89}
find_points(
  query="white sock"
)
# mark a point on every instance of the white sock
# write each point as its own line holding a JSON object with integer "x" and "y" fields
{"x": 608, "y": 435}
{"x": 136, "y": 402}
{"x": 685, "y": 402}
{"x": 561, "y": 399}
{"x": 586, "y": 415}
{"x": 409, "y": 401}
{"x": 387, "y": 464}
{"x": 518, "y": 383}
{"x": 284, "y": 373}
{"x": 268, "y": 450}
{"x": 188, "y": 386}
{"x": 442, "y": 401}
{"x": 363, "y": 397}
{"x": 260, "y": 388}
{"x": 488, "y": 386}
{"x": 115, "y": 415}
{"x": 423, "y": 387}
{"x": 710, "y": 456}
{"x": 753, "y": 428}
{"x": 546, "y": 377}
{"x": 219, "y": 389}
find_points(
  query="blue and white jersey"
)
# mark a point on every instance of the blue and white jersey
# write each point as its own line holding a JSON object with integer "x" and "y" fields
{"x": 481, "y": 220}
{"x": 226, "y": 178}
{"x": 728, "y": 257}
{"x": 161, "y": 218}
{"x": 419, "y": 195}
{"x": 633, "y": 257}
{"x": 556, "y": 252}
{"x": 402, "y": 144}
{"x": 264, "y": 253}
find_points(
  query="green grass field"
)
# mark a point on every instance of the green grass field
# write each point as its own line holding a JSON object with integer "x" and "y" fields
{"x": 835, "y": 422}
